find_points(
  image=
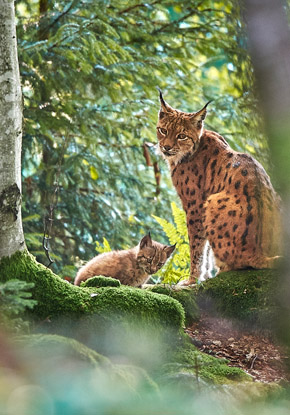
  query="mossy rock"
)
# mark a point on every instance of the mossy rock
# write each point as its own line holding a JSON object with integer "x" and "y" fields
{"x": 252, "y": 392}
{"x": 103, "y": 318}
{"x": 48, "y": 353}
{"x": 101, "y": 281}
{"x": 248, "y": 296}
{"x": 185, "y": 295}
{"x": 46, "y": 346}
{"x": 57, "y": 298}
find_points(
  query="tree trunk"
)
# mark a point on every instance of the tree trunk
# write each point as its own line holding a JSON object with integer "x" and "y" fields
{"x": 269, "y": 41}
{"x": 11, "y": 232}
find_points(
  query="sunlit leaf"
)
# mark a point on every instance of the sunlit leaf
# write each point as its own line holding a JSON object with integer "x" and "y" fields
{"x": 94, "y": 173}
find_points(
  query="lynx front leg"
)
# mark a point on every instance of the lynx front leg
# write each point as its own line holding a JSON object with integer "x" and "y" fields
{"x": 196, "y": 237}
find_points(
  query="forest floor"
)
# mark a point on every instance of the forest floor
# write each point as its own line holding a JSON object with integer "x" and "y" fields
{"x": 254, "y": 352}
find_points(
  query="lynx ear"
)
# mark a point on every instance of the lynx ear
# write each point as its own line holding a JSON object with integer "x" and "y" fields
{"x": 169, "y": 249}
{"x": 145, "y": 241}
{"x": 165, "y": 108}
{"x": 201, "y": 114}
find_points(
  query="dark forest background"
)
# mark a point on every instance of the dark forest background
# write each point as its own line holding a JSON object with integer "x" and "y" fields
{"x": 89, "y": 72}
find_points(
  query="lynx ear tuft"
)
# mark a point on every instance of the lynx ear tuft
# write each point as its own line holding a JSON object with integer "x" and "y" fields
{"x": 145, "y": 241}
{"x": 201, "y": 114}
{"x": 165, "y": 108}
{"x": 169, "y": 249}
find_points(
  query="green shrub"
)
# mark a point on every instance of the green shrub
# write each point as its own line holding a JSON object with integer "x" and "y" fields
{"x": 14, "y": 300}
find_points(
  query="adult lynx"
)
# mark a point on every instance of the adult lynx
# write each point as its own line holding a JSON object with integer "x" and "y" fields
{"x": 227, "y": 196}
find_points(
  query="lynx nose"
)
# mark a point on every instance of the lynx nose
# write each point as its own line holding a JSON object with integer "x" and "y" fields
{"x": 166, "y": 148}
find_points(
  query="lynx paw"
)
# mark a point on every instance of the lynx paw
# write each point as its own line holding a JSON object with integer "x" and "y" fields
{"x": 186, "y": 283}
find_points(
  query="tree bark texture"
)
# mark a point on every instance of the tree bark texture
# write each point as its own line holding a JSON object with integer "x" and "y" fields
{"x": 269, "y": 44}
{"x": 11, "y": 232}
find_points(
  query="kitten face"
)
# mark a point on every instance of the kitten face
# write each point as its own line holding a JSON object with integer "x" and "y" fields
{"x": 178, "y": 132}
{"x": 152, "y": 255}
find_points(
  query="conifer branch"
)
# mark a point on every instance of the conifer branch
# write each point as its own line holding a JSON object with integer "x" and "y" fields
{"x": 145, "y": 5}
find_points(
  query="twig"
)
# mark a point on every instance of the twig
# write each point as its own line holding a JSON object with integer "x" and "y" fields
{"x": 48, "y": 221}
{"x": 184, "y": 17}
{"x": 157, "y": 175}
{"x": 138, "y": 5}
{"x": 44, "y": 31}
{"x": 253, "y": 361}
{"x": 45, "y": 242}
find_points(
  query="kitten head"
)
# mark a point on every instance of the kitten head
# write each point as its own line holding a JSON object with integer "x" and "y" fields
{"x": 152, "y": 255}
{"x": 178, "y": 132}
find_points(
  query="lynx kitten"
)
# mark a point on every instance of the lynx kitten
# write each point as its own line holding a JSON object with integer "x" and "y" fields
{"x": 132, "y": 267}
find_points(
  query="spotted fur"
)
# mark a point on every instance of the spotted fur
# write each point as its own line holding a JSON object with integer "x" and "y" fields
{"x": 227, "y": 196}
{"x": 132, "y": 266}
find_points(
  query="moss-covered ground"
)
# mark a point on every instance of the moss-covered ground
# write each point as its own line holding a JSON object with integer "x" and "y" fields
{"x": 185, "y": 295}
{"x": 56, "y": 298}
{"x": 52, "y": 354}
{"x": 49, "y": 374}
{"x": 247, "y": 296}
{"x": 188, "y": 362}
{"x": 140, "y": 326}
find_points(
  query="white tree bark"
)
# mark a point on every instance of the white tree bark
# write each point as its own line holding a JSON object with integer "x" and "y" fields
{"x": 11, "y": 232}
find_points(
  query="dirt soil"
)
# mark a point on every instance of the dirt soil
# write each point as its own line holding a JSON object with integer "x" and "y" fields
{"x": 253, "y": 352}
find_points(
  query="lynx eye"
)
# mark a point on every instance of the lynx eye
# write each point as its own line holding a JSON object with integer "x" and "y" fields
{"x": 182, "y": 137}
{"x": 162, "y": 131}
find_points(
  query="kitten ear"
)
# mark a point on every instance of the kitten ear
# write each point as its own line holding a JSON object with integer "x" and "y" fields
{"x": 165, "y": 108}
{"x": 145, "y": 241}
{"x": 169, "y": 249}
{"x": 200, "y": 115}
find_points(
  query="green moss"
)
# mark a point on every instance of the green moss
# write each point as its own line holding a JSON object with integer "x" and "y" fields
{"x": 142, "y": 326}
{"x": 49, "y": 352}
{"x": 52, "y": 345}
{"x": 56, "y": 298}
{"x": 249, "y": 392}
{"x": 188, "y": 360}
{"x": 137, "y": 304}
{"x": 101, "y": 281}
{"x": 54, "y": 295}
{"x": 185, "y": 295}
{"x": 246, "y": 295}
{"x": 137, "y": 379}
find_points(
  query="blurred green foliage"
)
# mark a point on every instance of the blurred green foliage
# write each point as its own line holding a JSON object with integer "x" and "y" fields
{"x": 15, "y": 299}
{"x": 60, "y": 376}
{"x": 89, "y": 73}
{"x": 101, "y": 249}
